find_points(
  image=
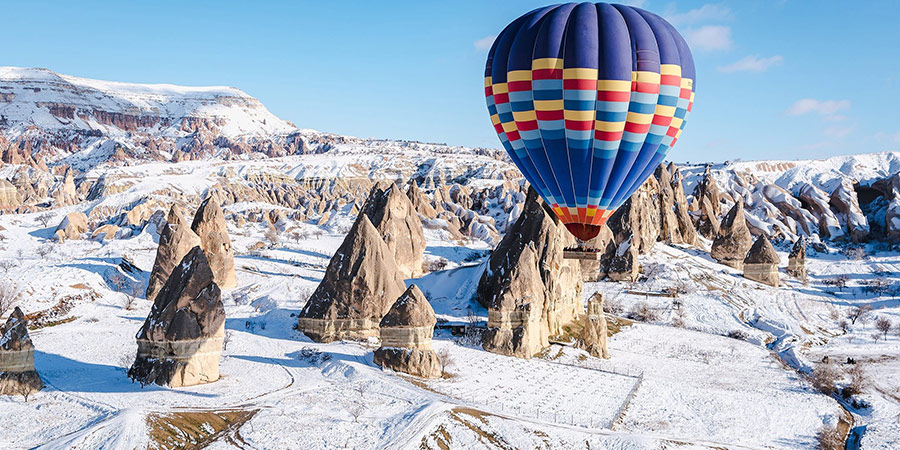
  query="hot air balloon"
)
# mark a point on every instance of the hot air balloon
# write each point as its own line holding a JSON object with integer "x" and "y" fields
{"x": 587, "y": 99}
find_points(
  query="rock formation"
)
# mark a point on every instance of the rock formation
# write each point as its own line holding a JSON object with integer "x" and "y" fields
{"x": 733, "y": 240}
{"x": 685, "y": 224}
{"x": 420, "y": 201}
{"x": 669, "y": 227}
{"x": 209, "y": 224}
{"x": 181, "y": 341}
{"x": 708, "y": 189}
{"x": 9, "y": 198}
{"x": 797, "y": 260}
{"x": 358, "y": 288}
{"x": 761, "y": 263}
{"x": 17, "y": 374}
{"x": 175, "y": 241}
{"x": 105, "y": 232}
{"x": 594, "y": 334}
{"x": 396, "y": 219}
{"x": 530, "y": 291}
{"x": 605, "y": 243}
{"x": 707, "y": 223}
{"x": 845, "y": 201}
{"x": 72, "y": 226}
{"x": 406, "y": 332}
{"x": 817, "y": 201}
{"x": 637, "y": 219}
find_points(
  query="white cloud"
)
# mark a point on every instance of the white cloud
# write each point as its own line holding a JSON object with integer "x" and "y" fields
{"x": 838, "y": 132}
{"x": 835, "y": 118}
{"x": 706, "y": 13}
{"x": 709, "y": 37}
{"x": 823, "y": 107}
{"x": 752, "y": 64}
{"x": 485, "y": 43}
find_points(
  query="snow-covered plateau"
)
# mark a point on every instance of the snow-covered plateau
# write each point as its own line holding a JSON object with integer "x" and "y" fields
{"x": 701, "y": 357}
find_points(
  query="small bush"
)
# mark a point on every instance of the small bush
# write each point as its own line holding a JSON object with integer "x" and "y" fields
{"x": 883, "y": 325}
{"x": 857, "y": 381}
{"x": 313, "y": 356}
{"x": 447, "y": 361}
{"x": 839, "y": 282}
{"x": 437, "y": 264}
{"x": 614, "y": 306}
{"x": 829, "y": 438}
{"x": 9, "y": 294}
{"x": 824, "y": 377}
{"x": 738, "y": 334}
{"x": 854, "y": 253}
{"x": 643, "y": 312}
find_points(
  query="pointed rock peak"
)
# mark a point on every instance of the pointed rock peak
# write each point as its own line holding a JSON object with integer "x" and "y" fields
{"x": 209, "y": 224}
{"x": 663, "y": 175}
{"x": 762, "y": 252}
{"x": 189, "y": 306}
{"x": 176, "y": 239}
{"x": 410, "y": 310}
{"x": 209, "y": 210}
{"x": 396, "y": 219}
{"x": 798, "y": 251}
{"x": 735, "y": 216}
{"x": 14, "y": 334}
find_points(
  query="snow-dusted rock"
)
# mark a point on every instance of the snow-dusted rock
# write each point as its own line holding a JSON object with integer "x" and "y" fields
{"x": 530, "y": 291}
{"x": 685, "y": 223}
{"x": 594, "y": 334}
{"x": 181, "y": 341}
{"x": 359, "y": 286}
{"x": 817, "y": 201}
{"x": 420, "y": 201}
{"x": 845, "y": 201}
{"x": 73, "y": 225}
{"x": 733, "y": 240}
{"x": 396, "y": 219}
{"x": 406, "y": 332}
{"x": 209, "y": 224}
{"x": 8, "y": 195}
{"x": 175, "y": 241}
{"x": 17, "y": 374}
{"x": 761, "y": 263}
{"x": 797, "y": 260}
{"x": 105, "y": 232}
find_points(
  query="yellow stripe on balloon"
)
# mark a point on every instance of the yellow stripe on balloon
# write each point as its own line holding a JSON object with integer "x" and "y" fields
{"x": 665, "y": 111}
{"x": 601, "y": 125}
{"x": 547, "y": 63}
{"x": 614, "y": 85}
{"x": 500, "y": 88}
{"x": 645, "y": 77}
{"x": 638, "y": 118}
{"x": 518, "y": 75}
{"x": 580, "y": 74}
{"x": 676, "y": 122}
{"x": 579, "y": 115}
{"x": 670, "y": 69}
{"x": 487, "y": 81}
{"x": 495, "y": 119}
{"x": 509, "y": 126}
{"x": 548, "y": 105}
{"x": 524, "y": 116}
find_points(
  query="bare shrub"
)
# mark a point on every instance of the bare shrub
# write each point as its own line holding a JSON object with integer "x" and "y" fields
{"x": 45, "y": 218}
{"x": 7, "y": 264}
{"x": 839, "y": 282}
{"x": 883, "y": 325}
{"x": 829, "y": 438}
{"x": 447, "y": 361}
{"x": 878, "y": 286}
{"x": 857, "y": 381}
{"x": 118, "y": 281}
{"x": 642, "y": 312}
{"x": 824, "y": 377}
{"x": 9, "y": 293}
{"x": 876, "y": 337}
{"x": 854, "y": 253}
{"x": 845, "y": 326}
{"x": 131, "y": 296}
{"x": 272, "y": 236}
{"x": 436, "y": 265}
{"x": 860, "y": 312}
{"x": 614, "y": 306}
{"x": 44, "y": 250}
{"x": 738, "y": 334}
{"x": 678, "y": 320}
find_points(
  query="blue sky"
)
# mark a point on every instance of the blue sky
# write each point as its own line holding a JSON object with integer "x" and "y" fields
{"x": 781, "y": 79}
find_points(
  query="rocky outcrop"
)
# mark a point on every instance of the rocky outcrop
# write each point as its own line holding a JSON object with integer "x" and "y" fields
{"x": 209, "y": 224}
{"x": 420, "y": 201}
{"x": 797, "y": 260}
{"x": 733, "y": 240}
{"x": 396, "y": 219}
{"x": 175, "y": 241}
{"x": 406, "y": 332}
{"x": 181, "y": 341}
{"x": 793, "y": 214}
{"x": 9, "y": 198}
{"x": 708, "y": 189}
{"x": 530, "y": 291}
{"x": 105, "y": 232}
{"x": 72, "y": 226}
{"x": 761, "y": 263}
{"x": 845, "y": 201}
{"x": 17, "y": 374}
{"x": 816, "y": 201}
{"x": 685, "y": 224}
{"x": 594, "y": 333}
{"x": 638, "y": 219}
{"x": 597, "y": 269}
{"x": 707, "y": 222}
{"x": 358, "y": 288}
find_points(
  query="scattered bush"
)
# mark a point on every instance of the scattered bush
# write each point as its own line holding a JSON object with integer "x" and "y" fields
{"x": 857, "y": 381}
{"x": 45, "y": 218}
{"x": 859, "y": 313}
{"x": 9, "y": 293}
{"x": 824, "y": 377}
{"x": 829, "y": 438}
{"x": 313, "y": 356}
{"x": 883, "y": 325}
{"x": 7, "y": 264}
{"x": 854, "y": 252}
{"x": 642, "y": 312}
{"x": 614, "y": 306}
{"x": 839, "y": 282}
{"x": 845, "y": 326}
{"x": 738, "y": 334}
{"x": 876, "y": 337}
{"x": 447, "y": 361}
{"x": 436, "y": 265}
{"x": 44, "y": 250}
{"x": 272, "y": 236}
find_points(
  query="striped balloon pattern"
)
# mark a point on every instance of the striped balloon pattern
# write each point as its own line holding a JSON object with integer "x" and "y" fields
{"x": 587, "y": 99}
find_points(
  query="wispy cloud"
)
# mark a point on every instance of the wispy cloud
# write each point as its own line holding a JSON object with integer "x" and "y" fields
{"x": 822, "y": 107}
{"x": 752, "y": 63}
{"x": 838, "y": 132}
{"x": 707, "y": 13}
{"x": 709, "y": 38}
{"x": 485, "y": 43}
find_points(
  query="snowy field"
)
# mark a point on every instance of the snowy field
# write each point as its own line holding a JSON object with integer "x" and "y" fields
{"x": 674, "y": 381}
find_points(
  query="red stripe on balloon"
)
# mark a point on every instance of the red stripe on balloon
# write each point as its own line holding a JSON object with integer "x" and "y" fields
{"x": 519, "y": 86}
{"x": 637, "y": 127}
{"x": 647, "y": 88}
{"x": 546, "y": 74}
{"x": 608, "y": 135}
{"x": 579, "y": 124}
{"x": 527, "y": 125}
{"x": 549, "y": 115}
{"x": 613, "y": 96}
{"x": 580, "y": 84}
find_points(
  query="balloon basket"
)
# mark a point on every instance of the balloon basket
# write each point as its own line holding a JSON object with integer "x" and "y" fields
{"x": 582, "y": 253}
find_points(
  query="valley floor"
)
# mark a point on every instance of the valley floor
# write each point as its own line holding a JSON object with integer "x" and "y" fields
{"x": 664, "y": 387}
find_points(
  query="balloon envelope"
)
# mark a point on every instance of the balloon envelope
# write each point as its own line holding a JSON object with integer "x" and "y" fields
{"x": 587, "y": 99}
